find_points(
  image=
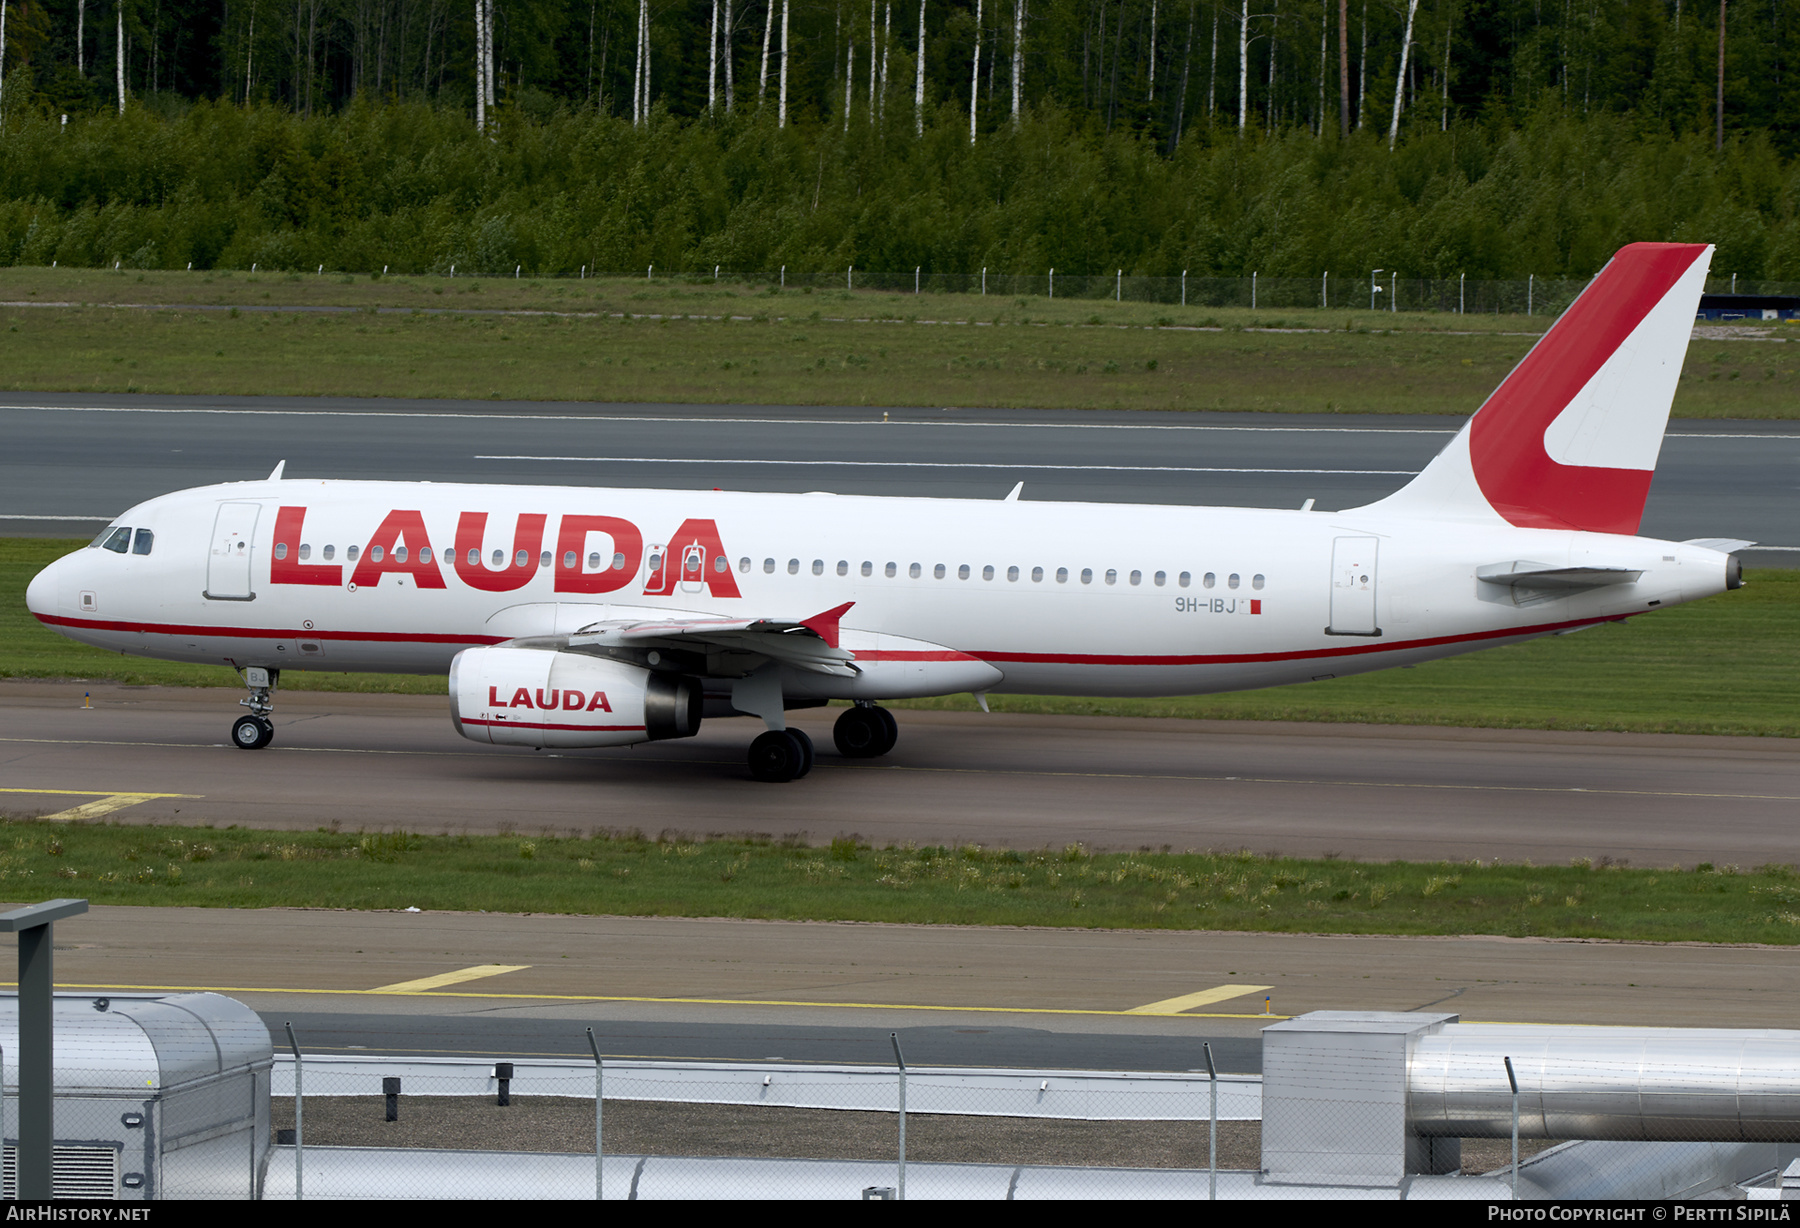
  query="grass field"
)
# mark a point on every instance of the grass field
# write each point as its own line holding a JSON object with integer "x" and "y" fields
{"x": 672, "y": 342}
{"x": 1730, "y": 664}
{"x": 678, "y": 875}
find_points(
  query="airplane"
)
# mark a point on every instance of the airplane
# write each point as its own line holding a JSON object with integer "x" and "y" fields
{"x": 582, "y": 617}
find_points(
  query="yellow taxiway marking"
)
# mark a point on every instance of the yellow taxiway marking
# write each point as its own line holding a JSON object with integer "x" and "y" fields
{"x": 1188, "y": 1001}
{"x": 448, "y": 978}
{"x": 106, "y": 803}
{"x": 570, "y": 997}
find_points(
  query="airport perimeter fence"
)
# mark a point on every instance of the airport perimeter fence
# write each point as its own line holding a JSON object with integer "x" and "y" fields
{"x": 1360, "y": 293}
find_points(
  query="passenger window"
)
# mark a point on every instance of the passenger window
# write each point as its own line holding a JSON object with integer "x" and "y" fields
{"x": 1184, "y": 579}
{"x": 568, "y": 560}
{"x": 818, "y": 567}
{"x": 400, "y": 554}
{"x": 891, "y": 569}
{"x": 913, "y": 571}
{"x": 593, "y": 560}
{"x": 987, "y": 573}
{"x": 1012, "y": 573}
{"x": 544, "y": 559}
{"x": 768, "y": 567}
{"x": 938, "y": 571}
{"x": 1232, "y": 582}
{"x": 281, "y": 550}
{"x": 376, "y": 553}
{"x": 793, "y": 567}
{"x": 962, "y": 573}
{"x": 1161, "y": 578}
{"x": 619, "y": 560}
{"x": 744, "y": 564}
{"x": 424, "y": 553}
{"x": 1112, "y": 577}
{"x": 1137, "y": 578}
{"x": 522, "y": 559}
{"x": 1087, "y": 575}
{"x": 868, "y": 568}
{"x": 329, "y": 551}
{"x": 350, "y": 553}
{"x": 655, "y": 561}
{"x": 843, "y": 567}
{"x": 1062, "y": 575}
{"x": 720, "y": 563}
{"x": 146, "y": 539}
{"x": 1206, "y": 581}
{"x": 305, "y": 552}
{"x": 1256, "y": 582}
{"x": 499, "y": 559}
{"x": 1037, "y": 575}
{"x": 118, "y": 541}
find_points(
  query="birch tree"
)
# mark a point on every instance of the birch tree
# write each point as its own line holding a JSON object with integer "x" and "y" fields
{"x": 782, "y": 122}
{"x": 1412, "y": 9}
{"x": 119, "y": 57}
{"x": 975, "y": 77}
{"x": 1018, "y": 57}
{"x": 919, "y": 84}
{"x": 712, "y": 61}
{"x": 762, "y": 82}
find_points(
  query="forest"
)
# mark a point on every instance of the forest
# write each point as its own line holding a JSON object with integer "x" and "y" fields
{"x": 1493, "y": 138}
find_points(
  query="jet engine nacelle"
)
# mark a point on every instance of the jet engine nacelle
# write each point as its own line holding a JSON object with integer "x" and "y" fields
{"x": 538, "y": 697}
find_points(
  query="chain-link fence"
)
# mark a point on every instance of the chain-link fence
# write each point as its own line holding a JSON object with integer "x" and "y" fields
{"x": 1379, "y": 290}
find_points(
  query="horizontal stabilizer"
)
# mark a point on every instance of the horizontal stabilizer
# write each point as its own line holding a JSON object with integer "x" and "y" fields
{"x": 1522, "y": 573}
{"x": 1724, "y": 545}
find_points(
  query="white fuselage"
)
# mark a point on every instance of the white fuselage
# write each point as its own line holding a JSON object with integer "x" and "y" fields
{"x": 1057, "y": 598}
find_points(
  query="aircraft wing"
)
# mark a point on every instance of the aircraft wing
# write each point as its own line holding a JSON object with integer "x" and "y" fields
{"x": 804, "y": 643}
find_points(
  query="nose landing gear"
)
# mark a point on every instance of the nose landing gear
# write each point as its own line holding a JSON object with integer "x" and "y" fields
{"x": 256, "y": 731}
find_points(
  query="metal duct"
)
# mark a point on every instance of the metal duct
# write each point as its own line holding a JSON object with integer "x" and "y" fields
{"x": 1626, "y": 1084}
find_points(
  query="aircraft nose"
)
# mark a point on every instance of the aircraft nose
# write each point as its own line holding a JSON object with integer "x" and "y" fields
{"x": 42, "y": 595}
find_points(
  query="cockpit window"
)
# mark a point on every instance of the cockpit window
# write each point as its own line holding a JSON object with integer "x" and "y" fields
{"x": 118, "y": 541}
{"x": 143, "y": 542}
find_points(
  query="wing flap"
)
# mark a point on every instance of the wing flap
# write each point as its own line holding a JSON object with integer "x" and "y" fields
{"x": 803, "y": 643}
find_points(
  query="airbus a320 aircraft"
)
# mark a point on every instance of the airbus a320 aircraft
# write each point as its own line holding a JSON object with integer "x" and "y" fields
{"x": 571, "y": 617}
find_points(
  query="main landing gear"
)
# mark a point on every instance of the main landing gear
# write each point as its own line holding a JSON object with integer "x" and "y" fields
{"x": 862, "y": 732}
{"x": 780, "y": 755}
{"x": 256, "y": 731}
{"x": 865, "y": 732}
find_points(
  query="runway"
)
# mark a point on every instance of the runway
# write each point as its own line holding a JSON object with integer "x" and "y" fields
{"x": 1367, "y": 792}
{"x": 72, "y": 462}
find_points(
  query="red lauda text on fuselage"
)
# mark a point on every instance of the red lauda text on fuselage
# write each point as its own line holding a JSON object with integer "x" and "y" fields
{"x": 401, "y": 545}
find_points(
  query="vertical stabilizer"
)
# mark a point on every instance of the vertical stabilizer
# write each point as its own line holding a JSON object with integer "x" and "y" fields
{"x": 1570, "y": 439}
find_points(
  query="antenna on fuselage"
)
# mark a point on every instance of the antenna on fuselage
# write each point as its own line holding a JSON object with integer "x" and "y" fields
{"x": 276, "y": 475}
{"x": 1012, "y": 496}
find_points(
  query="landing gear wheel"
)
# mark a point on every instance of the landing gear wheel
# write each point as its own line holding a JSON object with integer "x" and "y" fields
{"x": 864, "y": 733}
{"x": 806, "y": 751}
{"x": 776, "y": 757}
{"x": 252, "y": 733}
{"x": 892, "y": 727}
